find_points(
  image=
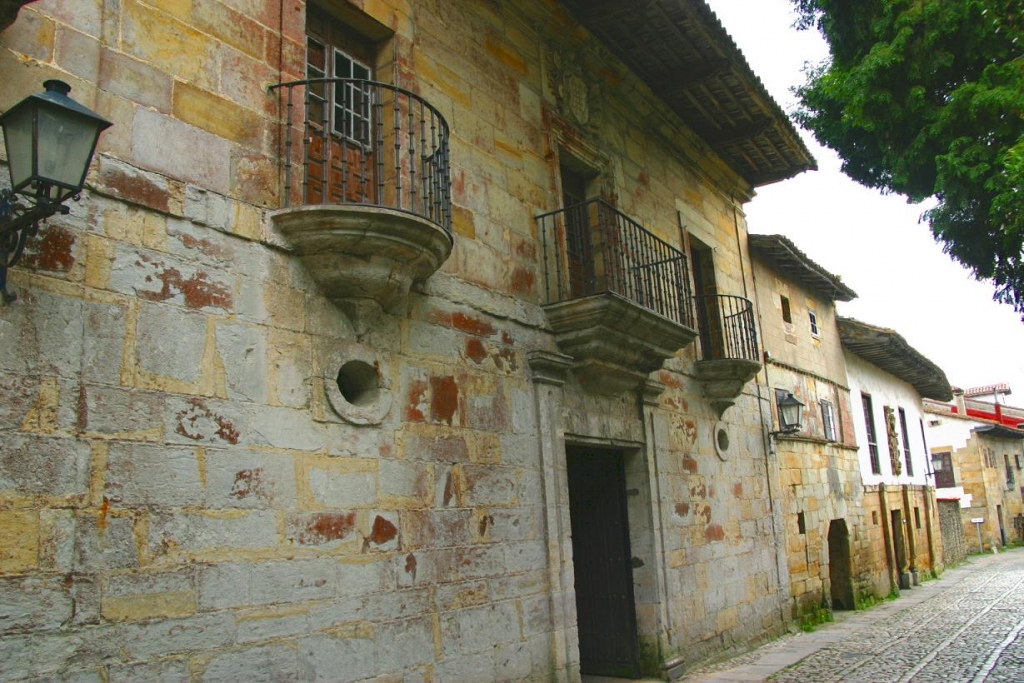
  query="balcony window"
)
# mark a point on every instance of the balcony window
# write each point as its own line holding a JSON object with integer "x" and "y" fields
{"x": 366, "y": 172}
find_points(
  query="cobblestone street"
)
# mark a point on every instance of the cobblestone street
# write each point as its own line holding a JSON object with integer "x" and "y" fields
{"x": 967, "y": 626}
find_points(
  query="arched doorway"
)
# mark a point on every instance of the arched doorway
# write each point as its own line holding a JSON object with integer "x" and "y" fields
{"x": 839, "y": 565}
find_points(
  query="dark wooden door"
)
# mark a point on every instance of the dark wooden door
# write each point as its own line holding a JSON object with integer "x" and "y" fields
{"x": 899, "y": 544}
{"x": 839, "y": 566}
{"x": 709, "y": 319}
{"x": 605, "y": 608}
{"x": 578, "y": 248}
{"x": 340, "y": 166}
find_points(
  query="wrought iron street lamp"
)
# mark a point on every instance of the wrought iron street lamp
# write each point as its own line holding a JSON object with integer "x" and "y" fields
{"x": 790, "y": 413}
{"x": 50, "y": 141}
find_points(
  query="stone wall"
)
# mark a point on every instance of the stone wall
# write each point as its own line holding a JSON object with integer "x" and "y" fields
{"x": 820, "y": 478}
{"x": 182, "y": 498}
{"x": 923, "y": 546}
{"x": 953, "y": 540}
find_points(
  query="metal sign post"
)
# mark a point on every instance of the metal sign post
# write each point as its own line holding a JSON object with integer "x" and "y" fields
{"x": 977, "y": 522}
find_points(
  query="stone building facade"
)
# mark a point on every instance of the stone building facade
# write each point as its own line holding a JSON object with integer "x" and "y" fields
{"x": 888, "y": 379}
{"x": 982, "y": 477}
{"x": 819, "y": 471}
{"x": 249, "y": 434}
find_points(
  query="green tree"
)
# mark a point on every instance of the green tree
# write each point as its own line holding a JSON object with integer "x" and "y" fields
{"x": 925, "y": 98}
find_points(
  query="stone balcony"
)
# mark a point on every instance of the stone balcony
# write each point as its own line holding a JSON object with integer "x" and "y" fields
{"x": 367, "y": 205}
{"x": 729, "y": 356}
{"x": 617, "y": 295}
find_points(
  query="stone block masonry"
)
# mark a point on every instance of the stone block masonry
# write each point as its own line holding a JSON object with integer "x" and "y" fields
{"x": 179, "y": 497}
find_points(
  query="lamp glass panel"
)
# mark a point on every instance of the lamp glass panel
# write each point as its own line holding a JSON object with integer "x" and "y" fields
{"x": 65, "y": 143}
{"x": 18, "y": 138}
{"x": 789, "y": 411}
{"x": 938, "y": 463}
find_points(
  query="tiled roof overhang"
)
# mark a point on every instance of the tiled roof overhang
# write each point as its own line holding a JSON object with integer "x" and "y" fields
{"x": 682, "y": 52}
{"x": 886, "y": 349}
{"x": 999, "y": 432}
{"x": 782, "y": 256}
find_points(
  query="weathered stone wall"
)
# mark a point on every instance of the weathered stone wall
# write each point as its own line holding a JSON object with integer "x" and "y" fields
{"x": 820, "y": 479}
{"x": 953, "y": 540}
{"x": 178, "y": 496}
{"x": 792, "y": 343}
{"x": 878, "y": 569}
{"x": 979, "y": 465}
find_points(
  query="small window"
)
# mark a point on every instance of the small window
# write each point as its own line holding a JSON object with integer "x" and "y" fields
{"x": 869, "y": 422}
{"x": 814, "y": 323}
{"x": 1010, "y": 479}
{"x": 906, "y": 442}
{"x": 917, "y": 517}
{"x": 944, "y": 477}
{"x": 874, "y": 517}
{"x": 828, "y": 420}
{"x": 787, "y": 315}
{"x": 801, "y": 523}
{"x": 1020, "y": 461}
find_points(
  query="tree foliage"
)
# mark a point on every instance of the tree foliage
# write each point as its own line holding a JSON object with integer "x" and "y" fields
{"x": 925, "y": 98}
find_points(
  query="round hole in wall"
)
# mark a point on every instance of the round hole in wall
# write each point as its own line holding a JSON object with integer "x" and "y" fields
{"x": 722, "y": 440}
{"x": 358, "y": 383}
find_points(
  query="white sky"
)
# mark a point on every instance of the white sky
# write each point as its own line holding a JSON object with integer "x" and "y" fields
{"x": 875, "y": 242}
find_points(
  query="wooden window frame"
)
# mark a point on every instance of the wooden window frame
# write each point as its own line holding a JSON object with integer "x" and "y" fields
{"x": 828, "y": 420}
{"x": 869, "y": 421}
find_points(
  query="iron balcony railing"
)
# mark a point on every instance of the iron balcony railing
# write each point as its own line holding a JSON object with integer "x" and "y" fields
{"x": 364, "y": 142}
{"x": 726, "y": 325}
{"x": 591, "y": 248}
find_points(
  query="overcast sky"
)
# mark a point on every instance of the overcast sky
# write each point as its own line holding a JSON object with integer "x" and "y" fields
{"x": 875, "y": 242}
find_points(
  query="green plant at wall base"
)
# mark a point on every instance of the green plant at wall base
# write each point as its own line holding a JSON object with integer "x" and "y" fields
{"x": 816, "y": 617}
{"x": 866, "y": 601}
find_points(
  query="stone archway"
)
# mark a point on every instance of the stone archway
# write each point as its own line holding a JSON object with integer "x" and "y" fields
{"x": 839, "y": 567}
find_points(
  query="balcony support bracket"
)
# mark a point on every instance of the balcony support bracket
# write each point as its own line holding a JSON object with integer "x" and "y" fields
{"x": 723, "y": 380}
{"x": 364, "y": 258}
{"x": 615, "y": 343}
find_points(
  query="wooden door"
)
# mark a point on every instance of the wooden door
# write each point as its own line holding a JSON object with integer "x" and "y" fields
{"x": 340, "y": 164}
{"x": 605, "y": 607}
{"x": 578, "y": 247}
{"x": 709, "y": 318}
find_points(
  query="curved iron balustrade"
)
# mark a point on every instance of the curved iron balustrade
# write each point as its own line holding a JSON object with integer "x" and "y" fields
{"x": 726, "y": 325}
{"x": 369, "y": 143}
{"x": 591, "y": 248}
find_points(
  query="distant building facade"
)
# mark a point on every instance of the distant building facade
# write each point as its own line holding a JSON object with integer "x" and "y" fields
{"x": 819, "y": 474}
{"x": 982, "y": 472}
{"x": 888, "y": 380}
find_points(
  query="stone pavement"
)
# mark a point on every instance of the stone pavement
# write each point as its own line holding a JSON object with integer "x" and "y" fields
{"x": 966, "y": 626}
